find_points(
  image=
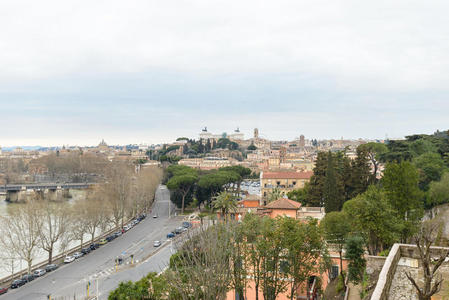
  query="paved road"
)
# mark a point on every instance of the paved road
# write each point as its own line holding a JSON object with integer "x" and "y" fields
{"x": 70, "y": 281}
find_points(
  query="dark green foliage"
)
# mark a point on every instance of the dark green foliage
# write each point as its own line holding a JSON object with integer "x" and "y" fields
{"x": 150, "y": 287}
{"x": 374, "y": 152}
{"x": 252, "y": 147}
{"x": 431, "y": 166}
{"x": 355, "y": 254}
{"x": 181, "y": 183}
{"x": 299, "y": 195}
{"x": 439, "y": 191}
{"x": 400, "y": 183}
{"x": 397, "y": 151}
{"x": 315, "y": 195}
{"x": 337, "y": 179}
{"x": 360, "y": 174}
{"x": 332, "y": 188}
{"x": 372, "y": 216}
{"x": 336, "y": 227}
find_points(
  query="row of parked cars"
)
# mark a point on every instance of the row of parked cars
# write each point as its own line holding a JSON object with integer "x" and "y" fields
{"x": 30, "y": 277}
{"x": 185, "y": 226}
{"x": 109, "y": 238}
{"x": 70, "y": 258}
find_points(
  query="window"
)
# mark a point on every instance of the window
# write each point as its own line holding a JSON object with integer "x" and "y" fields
{"x": 294, "y": 182}
{"x": 278, "y": 182}
{"x": 334, "y": 272}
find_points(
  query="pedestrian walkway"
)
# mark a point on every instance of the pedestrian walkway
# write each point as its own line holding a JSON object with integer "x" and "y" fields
{"x": 354, "y": 292}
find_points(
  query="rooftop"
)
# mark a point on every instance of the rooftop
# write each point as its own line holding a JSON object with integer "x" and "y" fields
{"x": 284, "y": 203}
{"x": 287, "y": 175}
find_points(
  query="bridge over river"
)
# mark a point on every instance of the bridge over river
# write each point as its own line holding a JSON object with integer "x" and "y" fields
{"x": 52, "y": 191}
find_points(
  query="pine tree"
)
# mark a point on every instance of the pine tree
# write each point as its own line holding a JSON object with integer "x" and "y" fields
{"x": 359, "y": 174}
{"x": 315, "y": 194}
{"x": 332, "y": 191}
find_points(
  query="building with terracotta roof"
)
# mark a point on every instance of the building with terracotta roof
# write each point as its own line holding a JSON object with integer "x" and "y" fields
{"x": 284, "y": 181}
{"x": 282, "y": 207}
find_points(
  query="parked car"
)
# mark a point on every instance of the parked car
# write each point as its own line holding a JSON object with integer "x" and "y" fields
{"x": 50, "y": 267}
{"x": 186, "y": 224}
{"x": 39, "y": 272}
{"x": 110, "y": 238}
{"x": 102, "y": 241}
{"x": 93, "y": 246}
{"x": 127, "y": 227}
{"x": 17, "y": 283}
{"x": 69, "y": 258}
{"x": 170, "y": 235}
{"x": 78, "y": 254}
{"x": 157, "y": 243}
{"x": 179, "y": 230}
{"x": 117, "y": 234}
{"x": 86, "y": 250}
{"x": 28, "y": 277}
{"x": 3, "y": 290}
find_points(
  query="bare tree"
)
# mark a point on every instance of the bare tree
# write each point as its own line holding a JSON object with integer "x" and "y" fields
{"x": 21, "y": 232}
{"x": 200, "y": 269}
{"x": 144, "y": 188}
{"x": 54, "y": 225}
{"x": 78, "y": 224}
{"x": 430, "y": 264}
{"x": 96, "y": 215}
{"x": 116, "y": 191}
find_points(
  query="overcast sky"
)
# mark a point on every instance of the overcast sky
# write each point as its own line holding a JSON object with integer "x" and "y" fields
{"x": 74, "y": 72}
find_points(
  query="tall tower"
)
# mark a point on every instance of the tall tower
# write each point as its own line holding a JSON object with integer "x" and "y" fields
{"x": 256, "y": 133}
{"x": 302, "y": 141}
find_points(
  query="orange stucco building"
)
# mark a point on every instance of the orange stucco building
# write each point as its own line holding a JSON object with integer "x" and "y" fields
{"x": 284, "y": 207}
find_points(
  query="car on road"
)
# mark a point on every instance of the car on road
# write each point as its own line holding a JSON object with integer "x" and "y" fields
{"x": 78, "y": 254}
{"x": 102, "y": 241}
{"x": 170, "y": 235}
{"x": 127, "y": 227}
{"x": 86, "y": 250}
{"x": 28, "y": 277}
{"x": 117, "y": 234}
{"x": 69, "y": 258}
{"x": 179, "y": 230}
{"x": 110, "y": 237}
{"x": 39, "y": 272}
{"x": 154, "y": 216}
{"x": 17, "y": 283}
{"x": 93, "y": 246}
{"x": 157, "y": 243}
{"x": 51, "y": 267}
{"x": 3, "y": 290}
{"x": 186, "y": 224}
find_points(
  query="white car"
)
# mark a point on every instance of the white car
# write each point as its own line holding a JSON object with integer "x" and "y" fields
{"x": 39, "y": 272}
{"x": 157, "y": 243}
{"x": 77, "y": 254}
{"x": 69, "y": 258}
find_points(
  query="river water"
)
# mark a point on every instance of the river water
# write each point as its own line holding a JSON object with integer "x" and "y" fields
{"x": 6, "y": 264}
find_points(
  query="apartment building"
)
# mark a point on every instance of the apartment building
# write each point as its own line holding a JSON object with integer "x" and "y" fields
{"x": 283, "y": 180}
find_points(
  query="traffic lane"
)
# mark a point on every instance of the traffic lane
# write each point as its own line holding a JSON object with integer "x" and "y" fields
{"x": 98, "y": 259}
{"x": 156, "y": 263}
{"x": 70, "y": 275}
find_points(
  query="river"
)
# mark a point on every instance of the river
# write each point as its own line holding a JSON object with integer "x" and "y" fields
{"x": 6, "y": 264}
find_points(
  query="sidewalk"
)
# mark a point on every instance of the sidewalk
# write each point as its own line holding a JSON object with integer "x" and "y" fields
{"x": 354, "y": 292}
